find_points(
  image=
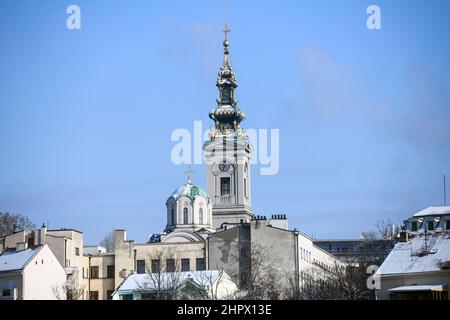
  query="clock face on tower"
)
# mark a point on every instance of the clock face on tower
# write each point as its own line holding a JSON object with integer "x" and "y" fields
{"x": 224, "y": 167}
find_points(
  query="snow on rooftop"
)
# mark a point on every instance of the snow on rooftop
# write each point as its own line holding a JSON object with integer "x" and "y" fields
{"x": 148, "y": 281}
{"x": 409, "y": 257}
{"x": 418, "y": 288}
{"x": 433, "y": 211}
{"x": 12, "y": 260}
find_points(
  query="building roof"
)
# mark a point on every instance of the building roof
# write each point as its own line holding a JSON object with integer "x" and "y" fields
{"x": 189, "y": 190}
{"x": 434, "y": 211}
{"x": 12, "y": 260}
{"x": 147, "y": 281}
{"x": 411, "y": 257}
{"x": 438, "y": 287}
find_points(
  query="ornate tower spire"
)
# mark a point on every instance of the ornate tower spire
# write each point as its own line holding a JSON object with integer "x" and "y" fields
{"x": 226, "y": 115}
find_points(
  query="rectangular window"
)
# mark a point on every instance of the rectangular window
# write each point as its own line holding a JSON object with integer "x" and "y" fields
{"x": 225, "y": 186}
{"x": 6, "y": 293}
{"x": 126, "y": 297}
{"x": 414, "y": 226}
{"x": 245, "y": 188}
{"x": 77, "y": 251}
{"x": 109, "y": 294}
{"x": 430, "y": 225}
{"x": 93, "y": 295}
{"x": 156, "y": 266}
{"x": 140, "y": 266}
{"x": 170, "y": 265}
{"x": 447, "y": 224}
{"x": 200, "y": 264}
{"x": 148, "y": 296}
{"x": 94, "y": 273}
{"x": 110, "y": 271}
{"x": 185, "y": 265}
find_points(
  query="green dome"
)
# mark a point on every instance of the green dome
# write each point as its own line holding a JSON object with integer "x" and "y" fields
{"x": 189, "y": 190}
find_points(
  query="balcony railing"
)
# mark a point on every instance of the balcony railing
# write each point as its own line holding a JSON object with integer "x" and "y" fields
{"x": 225, "y": 199}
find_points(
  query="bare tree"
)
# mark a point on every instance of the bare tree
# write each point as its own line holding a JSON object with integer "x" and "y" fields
{"x": 261, "y": 278}
{"x": 386, "y": 229}
{"x": 163, "y": 281}
{"x": 339, "y": 282}
{"x": 68, "y": 291}
{"x": 206, "y": 279}
{"x": 108, "y": 241}
{"x": 10, "y": 223}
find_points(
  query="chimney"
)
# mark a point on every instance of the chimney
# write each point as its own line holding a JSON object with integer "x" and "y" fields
{"x": 42, "y": 232}
{"x": 20, "y": 246}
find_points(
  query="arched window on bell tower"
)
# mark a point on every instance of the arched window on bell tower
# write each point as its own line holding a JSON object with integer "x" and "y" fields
{"x": 185, "y": 216}
{"x": 174, "y": 218}
{"x": 200, "y": 216}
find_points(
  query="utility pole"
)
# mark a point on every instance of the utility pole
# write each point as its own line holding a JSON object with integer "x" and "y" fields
{"x": 445, "y": 191}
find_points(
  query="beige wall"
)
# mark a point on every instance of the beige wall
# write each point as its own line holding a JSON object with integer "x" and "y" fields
{"x": 11, "y": 240}
{"x": 102, "y": 284}
{"x": 128, "y": 251}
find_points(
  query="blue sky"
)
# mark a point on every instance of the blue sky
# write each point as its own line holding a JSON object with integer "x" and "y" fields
{"x": 86, "y": 115}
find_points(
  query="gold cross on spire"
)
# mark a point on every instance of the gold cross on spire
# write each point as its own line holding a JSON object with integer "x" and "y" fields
{"x": 226, "y": 30}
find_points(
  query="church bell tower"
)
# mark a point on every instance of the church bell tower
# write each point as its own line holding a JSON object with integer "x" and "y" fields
{"x": 228, "y": 152}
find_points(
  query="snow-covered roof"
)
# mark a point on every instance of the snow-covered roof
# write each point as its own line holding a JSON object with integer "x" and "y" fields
{"x": 149, "y": 281}
{"x": 433, "y": 211}
{"x": 410, "y": 257}
{"x": 418, "y": 288}
{"x": 12, "y": 260}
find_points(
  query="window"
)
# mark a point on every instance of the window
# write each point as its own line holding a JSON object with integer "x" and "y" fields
{"x": 126, "y": 296}
{"x": 110, "y": 271}
{"x": 170, "y": 265}
{"x": 245, "y": 188}
{"x": 6, "y": 292}
{"x": 140, "y": 266}
{"x": 225, "y": 186}
{"x": 109, "y": 294}
{"x": 200, "y": 215}
{"x": 185, "y": 216}
{"x": 77, "y": 251}
{"x": 174, "y": 218}
{"x": 149, "y": 296}
{"x": 93, "y": 295}
{"x": 94, "y": 274}
{"x": 447, "y": 224}
{"x": 185, "y": 265}
{"x": 200, "y": 264}
{"x": 414, "y": 226}
{"x": 156, "y": 266}
{"x": 430, "y": 225}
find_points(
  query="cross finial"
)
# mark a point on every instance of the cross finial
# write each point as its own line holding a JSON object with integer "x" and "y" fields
{"x": 226, "y": 30}
{"x": 189, "y": 171}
